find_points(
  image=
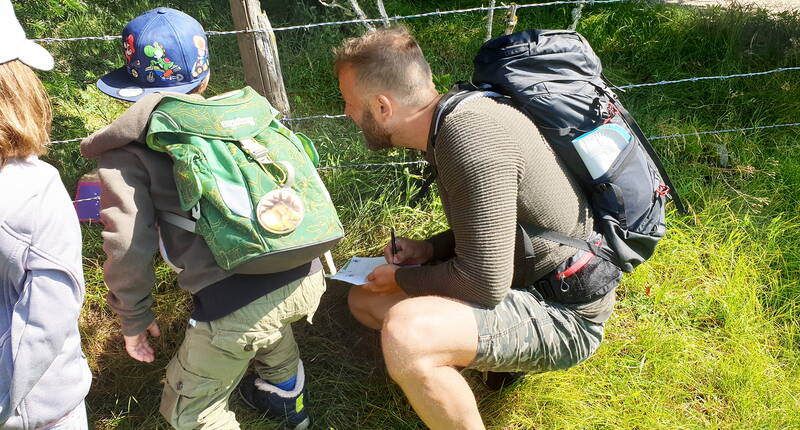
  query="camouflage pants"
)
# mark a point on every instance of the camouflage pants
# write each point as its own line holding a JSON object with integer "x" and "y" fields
{"x": 526, "y": 333}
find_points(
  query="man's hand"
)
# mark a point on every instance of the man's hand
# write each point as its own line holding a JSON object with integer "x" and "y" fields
{"x": 139, "y": 348}
{"x": 381, "y": 280}
{"x": 409, "y": 251}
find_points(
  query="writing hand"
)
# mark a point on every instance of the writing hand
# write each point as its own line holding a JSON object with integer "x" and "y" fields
{"x": 409, "y": 251}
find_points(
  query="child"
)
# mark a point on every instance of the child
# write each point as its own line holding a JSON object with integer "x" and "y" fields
{"x": 235, "y": 317}
{"x": 44, "y": 376}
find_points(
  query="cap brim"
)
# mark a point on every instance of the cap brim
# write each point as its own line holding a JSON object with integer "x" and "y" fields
{"x": 118, "y": 84}
{"x": 36, "y": 56}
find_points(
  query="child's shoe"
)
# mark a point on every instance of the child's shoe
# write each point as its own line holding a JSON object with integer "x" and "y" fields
{"x": 275, "y": 403}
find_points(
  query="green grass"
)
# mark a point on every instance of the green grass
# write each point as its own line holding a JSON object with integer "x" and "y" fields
{"x": 705, "y": 335}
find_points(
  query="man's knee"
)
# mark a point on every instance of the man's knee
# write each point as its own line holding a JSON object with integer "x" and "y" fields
{"x": 406, "y": 346}
{"x": 356, "y": 300}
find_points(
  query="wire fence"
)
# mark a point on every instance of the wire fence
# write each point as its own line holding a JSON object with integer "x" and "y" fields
{"x": 576, "y": 16}
{"x": 624, "y": 87}
{"x": 367, "y": 166}
{"x": 355, "y": 21}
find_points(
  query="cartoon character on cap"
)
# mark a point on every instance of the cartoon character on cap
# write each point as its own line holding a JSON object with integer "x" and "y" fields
{"x": 161, "y": 65}
{"x": 128, "y": 45}
{"x": 201, "y": 64}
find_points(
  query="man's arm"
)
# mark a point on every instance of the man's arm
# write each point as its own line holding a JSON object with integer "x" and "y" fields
{"x": 444, "y": 245}
{"x": 129, "y": 239}
{"x": 479, "y": 170}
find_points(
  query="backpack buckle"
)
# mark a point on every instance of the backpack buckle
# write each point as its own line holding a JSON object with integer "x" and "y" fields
{"x": 257, "y": 151}
{"x": 662, "y": 190}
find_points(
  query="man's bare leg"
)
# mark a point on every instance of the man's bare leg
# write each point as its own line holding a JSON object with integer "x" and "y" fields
{"x": 370, "y": 308}
{"x": 423, "y": 338}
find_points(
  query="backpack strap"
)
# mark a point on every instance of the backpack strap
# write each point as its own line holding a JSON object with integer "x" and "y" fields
{"x": 459, "y": 93}
{"x": 178, "y": 221}
{"x": 563, "y": 239}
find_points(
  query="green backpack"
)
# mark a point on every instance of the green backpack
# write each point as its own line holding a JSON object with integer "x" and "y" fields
{"x": 250, "y": 183}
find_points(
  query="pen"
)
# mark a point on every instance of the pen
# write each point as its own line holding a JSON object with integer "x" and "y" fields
{"x": 394, "y": 243}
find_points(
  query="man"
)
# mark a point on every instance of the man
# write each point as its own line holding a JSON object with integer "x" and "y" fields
{"x": 235, "y": 318}
{"x": 495, "y": 173}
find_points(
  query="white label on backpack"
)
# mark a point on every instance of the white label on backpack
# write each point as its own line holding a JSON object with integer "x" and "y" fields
{"x": 237, "y": 122}
{"x": 235, "y": 198}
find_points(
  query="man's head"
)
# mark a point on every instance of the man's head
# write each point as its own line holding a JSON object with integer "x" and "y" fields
{"x": 383, "y": 77}
{"x": 164, "y": 50}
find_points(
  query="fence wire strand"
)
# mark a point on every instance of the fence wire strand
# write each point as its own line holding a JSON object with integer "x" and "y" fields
{"x": 728, "y": 130}
{"x": 708, "y": 78}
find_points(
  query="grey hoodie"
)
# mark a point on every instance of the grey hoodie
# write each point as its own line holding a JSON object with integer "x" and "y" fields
{"x": 43, "y": 373}
{"x": 136, "y": 185}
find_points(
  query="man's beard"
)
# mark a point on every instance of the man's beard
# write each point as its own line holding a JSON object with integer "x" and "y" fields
{"x": 376, "y": 136}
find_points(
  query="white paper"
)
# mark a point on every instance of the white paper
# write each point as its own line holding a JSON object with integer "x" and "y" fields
{"x": 357, "y": 269}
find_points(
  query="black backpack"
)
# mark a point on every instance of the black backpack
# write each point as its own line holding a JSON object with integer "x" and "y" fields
{"x": 555, "y": 78}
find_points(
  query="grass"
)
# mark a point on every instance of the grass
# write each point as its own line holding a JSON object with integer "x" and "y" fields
{"x": 705, "y": 335}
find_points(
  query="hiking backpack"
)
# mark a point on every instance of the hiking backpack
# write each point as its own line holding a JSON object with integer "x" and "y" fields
{"x": 555, "y": 78}
{"x": 250, "y": 183}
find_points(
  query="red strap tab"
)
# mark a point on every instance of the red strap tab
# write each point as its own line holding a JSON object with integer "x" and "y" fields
{"x": 578, "y": 265}
{"x": 662, "y": 190}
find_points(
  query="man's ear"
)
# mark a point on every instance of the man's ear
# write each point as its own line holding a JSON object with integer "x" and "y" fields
{"x": 384, "y": 107}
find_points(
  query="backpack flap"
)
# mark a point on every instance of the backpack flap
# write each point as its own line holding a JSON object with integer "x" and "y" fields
{"x": 238, "y": 115}
{"x": 542, "y": 56}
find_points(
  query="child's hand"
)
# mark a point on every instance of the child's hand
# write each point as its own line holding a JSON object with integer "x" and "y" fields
{"x": 139, "y": 348}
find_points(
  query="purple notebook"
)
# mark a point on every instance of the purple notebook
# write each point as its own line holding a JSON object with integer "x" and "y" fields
{"x": 87, "y": 201}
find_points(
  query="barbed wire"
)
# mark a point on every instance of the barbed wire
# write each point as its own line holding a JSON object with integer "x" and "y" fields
{"x": 350, "y": 21}
{"x": 367, "y": 166}
{"x": 677, "y": 81}
{"x": 304, "y": 118}
{"x": 706, "y": 78}
{"x": 86, "y": 199}
{"x": 363, "y": 166}
{"x": 729, "y": 130}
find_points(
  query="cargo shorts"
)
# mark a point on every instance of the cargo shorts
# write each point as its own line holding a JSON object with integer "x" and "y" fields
{"x": 529, "y": 334}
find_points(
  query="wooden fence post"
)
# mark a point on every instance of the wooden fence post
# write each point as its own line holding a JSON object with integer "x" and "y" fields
{"x": 259, "y": 52}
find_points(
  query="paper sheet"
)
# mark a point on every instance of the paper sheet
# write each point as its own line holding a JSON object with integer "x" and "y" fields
{"x": 357, "y": 269}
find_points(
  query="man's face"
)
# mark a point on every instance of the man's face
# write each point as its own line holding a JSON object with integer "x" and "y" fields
{"x": 356, "y": 107}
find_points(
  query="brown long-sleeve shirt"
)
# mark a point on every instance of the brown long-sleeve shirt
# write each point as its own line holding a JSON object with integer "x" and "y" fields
{"x": 495, "y": 170}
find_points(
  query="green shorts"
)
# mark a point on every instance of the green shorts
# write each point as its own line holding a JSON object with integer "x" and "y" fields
{"x": 526, "y": 333}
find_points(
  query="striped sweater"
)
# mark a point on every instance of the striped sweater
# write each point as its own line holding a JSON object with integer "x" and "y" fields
{"x": 495, "y": 170}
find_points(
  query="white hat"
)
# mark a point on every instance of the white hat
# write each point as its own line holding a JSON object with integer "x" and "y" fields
{"x": 15, "y": 46}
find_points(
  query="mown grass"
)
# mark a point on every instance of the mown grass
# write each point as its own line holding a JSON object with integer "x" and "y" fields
{"x": 705, "y": 335}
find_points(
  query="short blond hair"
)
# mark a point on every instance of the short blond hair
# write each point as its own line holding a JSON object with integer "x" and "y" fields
{"x": 387, "y": 59}
{"x": 25, "y": 112}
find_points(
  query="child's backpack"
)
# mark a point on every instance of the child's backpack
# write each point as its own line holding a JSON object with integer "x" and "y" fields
{"x": 249, "y": 182}
{"x": 555, "y": 78}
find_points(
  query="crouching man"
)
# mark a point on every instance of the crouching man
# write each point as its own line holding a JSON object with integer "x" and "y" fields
{"x": 476, "y": 301}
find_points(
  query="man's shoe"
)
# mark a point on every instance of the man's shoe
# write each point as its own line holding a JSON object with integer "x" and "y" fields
{"x": 275, "y": 403}
{"x": 498, "y": 380}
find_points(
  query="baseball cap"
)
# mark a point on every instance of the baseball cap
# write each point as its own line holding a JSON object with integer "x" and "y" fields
{"x": 15, "y": 45}
{"x": 165, "y": 50}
